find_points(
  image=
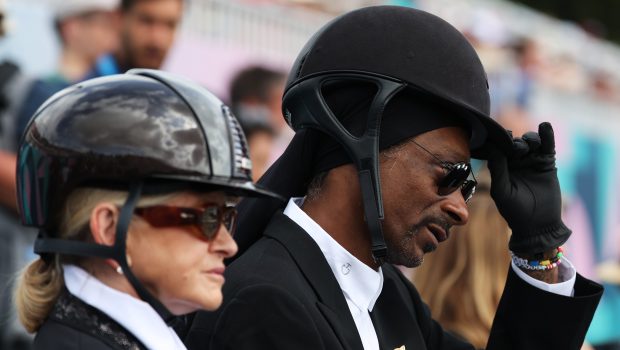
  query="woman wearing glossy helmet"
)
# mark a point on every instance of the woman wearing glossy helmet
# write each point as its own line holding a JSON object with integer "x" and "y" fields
{"x": 132, "y": 181}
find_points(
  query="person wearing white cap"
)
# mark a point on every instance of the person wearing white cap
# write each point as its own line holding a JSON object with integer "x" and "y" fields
{"x": 145, "y": 32}
{"x": 87, "y": 30}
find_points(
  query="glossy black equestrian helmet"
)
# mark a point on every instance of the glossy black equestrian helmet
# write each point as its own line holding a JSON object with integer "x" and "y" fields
{"x": 399, "y": 50}
{"x": 144, "y": 132}
{"x": 143, "y": 125}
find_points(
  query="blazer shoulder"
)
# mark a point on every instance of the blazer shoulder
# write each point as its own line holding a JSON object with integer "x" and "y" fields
{"x": 267, "y": 261}
{"x": 257, "y": 316}
{"x": 73, "y": 324}
{"x": 54, "y": 335}
{"x": 283, "y": 257}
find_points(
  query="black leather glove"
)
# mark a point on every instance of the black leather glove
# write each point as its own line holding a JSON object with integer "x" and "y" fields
{"x": 526, "y": 190}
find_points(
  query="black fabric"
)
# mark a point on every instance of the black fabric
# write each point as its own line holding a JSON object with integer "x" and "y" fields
{"x": 281, "y": 294}
{"x": 311, "y": 152}
{"x": 288, "y": 176}
{"x": 524, "y": 307}
{"x": 526, "y": 189}
{"x": 400, "y": 42}
{"x": 73, "y": 324}
{"x": 7, "y": 71}
{"x": 410, "y": 45}
{"x": 408, "y": 114}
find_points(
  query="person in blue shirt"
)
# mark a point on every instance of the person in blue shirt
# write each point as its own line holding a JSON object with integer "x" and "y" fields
{"x": 146, "y": 32}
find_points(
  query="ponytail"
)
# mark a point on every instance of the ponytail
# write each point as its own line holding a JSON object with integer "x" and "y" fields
{"x": 38, "y": 288}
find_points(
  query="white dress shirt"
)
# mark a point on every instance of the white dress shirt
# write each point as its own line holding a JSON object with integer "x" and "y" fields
{"x": 361, "y": 285}
{"x": 137, "y": 316}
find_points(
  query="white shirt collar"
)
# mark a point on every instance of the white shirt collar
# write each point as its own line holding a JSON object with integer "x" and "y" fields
{"x": 138, "y": 317}
{"x": 360, "y": 284}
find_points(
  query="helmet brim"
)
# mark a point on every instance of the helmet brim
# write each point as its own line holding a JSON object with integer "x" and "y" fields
{"x": 497, "y": 139}
{"x": 236, "y": 187}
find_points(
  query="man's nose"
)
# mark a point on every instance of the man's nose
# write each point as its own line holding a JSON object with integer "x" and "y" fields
{"x": 456, "y": 208}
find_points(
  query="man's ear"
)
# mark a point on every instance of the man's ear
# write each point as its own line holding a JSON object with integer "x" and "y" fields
{"x": 103, "y": 220}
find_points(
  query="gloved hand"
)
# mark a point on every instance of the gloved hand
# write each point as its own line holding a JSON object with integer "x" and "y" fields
{"x": 526, "y": 190}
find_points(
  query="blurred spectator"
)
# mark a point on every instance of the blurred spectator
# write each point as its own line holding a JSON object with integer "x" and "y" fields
{"x": 146, "y": 32}
{"x": 148, "y": 29}
{"x": 259, "y": 88}
{"x": 604, "y": 332}
{"x": 14, "y": 239}
{"x": 529, "y": 64}
{"x": 515, "y": 118}
{"x": 603, "y": 87}
{"x": 86, "y": 30}
{"x": 488, "y": 34}
{"x": 512, "y": 85}
{"x": 139, "y": 35}
{"x": 511, "y": 64}
{"x": 462, "y": 282}
{"x": 256, "y": 99}
{"x": 566, "y": 74}
{"x": 261, "y": 138}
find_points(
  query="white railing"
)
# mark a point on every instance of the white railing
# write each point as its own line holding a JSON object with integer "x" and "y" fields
{"x": 280, "y": 31}
{"x": 264, "y": 29}
{"x": 557, "y": 37}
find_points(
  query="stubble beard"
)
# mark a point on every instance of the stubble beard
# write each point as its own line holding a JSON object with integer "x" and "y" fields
{"x": 399, "y": 251}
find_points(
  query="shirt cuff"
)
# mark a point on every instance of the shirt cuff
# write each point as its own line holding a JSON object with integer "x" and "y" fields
{"x": 567, "y": 278}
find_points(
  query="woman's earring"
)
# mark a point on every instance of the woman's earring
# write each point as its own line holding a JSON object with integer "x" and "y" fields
{"x": 119, "y": 270}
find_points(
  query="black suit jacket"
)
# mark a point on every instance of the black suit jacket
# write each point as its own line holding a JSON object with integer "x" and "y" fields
{"x": 74, "y": 325}
{"x": 281, "y": 294}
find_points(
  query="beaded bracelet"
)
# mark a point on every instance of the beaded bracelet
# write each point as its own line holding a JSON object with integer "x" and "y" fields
{"x": 539, "y": 264}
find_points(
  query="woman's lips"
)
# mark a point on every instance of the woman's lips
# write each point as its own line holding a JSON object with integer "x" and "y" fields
{"x": 217, "y": 271}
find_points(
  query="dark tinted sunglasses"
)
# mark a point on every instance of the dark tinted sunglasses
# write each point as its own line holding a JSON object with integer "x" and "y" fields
{"x": 207, "y": 218}
{"x": 456, "y": 177}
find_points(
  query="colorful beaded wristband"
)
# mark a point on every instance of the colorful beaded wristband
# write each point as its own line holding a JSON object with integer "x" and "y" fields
{"x": 539, "y": 264}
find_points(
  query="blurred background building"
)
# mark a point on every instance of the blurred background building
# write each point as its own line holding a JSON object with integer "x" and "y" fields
{"x": 540, "y": 68}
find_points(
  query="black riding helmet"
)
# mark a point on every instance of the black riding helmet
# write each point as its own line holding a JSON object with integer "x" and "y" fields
{"x": 144, "y": 132}
{"x": 400, "y": 51}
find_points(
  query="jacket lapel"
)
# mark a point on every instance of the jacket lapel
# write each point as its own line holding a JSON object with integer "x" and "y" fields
{"x": 311, "y": 262}
{"x": 393, "y": 319}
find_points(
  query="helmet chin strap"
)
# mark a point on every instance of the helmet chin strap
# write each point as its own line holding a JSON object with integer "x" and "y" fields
{"x": 117, "y": 252}
{"x": 121, "y": 256}
{"x": 311, "y": 110}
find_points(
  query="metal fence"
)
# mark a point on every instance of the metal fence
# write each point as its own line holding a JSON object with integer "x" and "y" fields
{"x": 264, "y": 29}
{"x": 271, "y": 29}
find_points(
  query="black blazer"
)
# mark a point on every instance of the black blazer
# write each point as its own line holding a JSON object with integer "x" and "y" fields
{"x": 281, "y": 294}
{"x": 75, "y": 325}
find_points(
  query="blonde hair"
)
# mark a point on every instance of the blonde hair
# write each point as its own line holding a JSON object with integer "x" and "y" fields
{"x": 463, "y": 280}
{"x": 40, "y": 283}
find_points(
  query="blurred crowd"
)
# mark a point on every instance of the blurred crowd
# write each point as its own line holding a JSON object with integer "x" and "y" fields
{"x": 97, "y": 38}
{"x": 530, "y": 83}
{"x": 104, "y": 37}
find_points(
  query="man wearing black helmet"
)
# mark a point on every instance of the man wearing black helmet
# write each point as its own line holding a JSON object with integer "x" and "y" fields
{"x": 389, "y": 104}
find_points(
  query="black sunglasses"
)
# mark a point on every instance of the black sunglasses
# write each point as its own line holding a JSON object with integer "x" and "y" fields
{"x": 208, "y": 218}
{"x": 456, "y": 177}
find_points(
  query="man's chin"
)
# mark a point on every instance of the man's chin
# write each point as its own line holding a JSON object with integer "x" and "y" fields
{"x": 409, "y": 261}
{"x": 418, "y": 261}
